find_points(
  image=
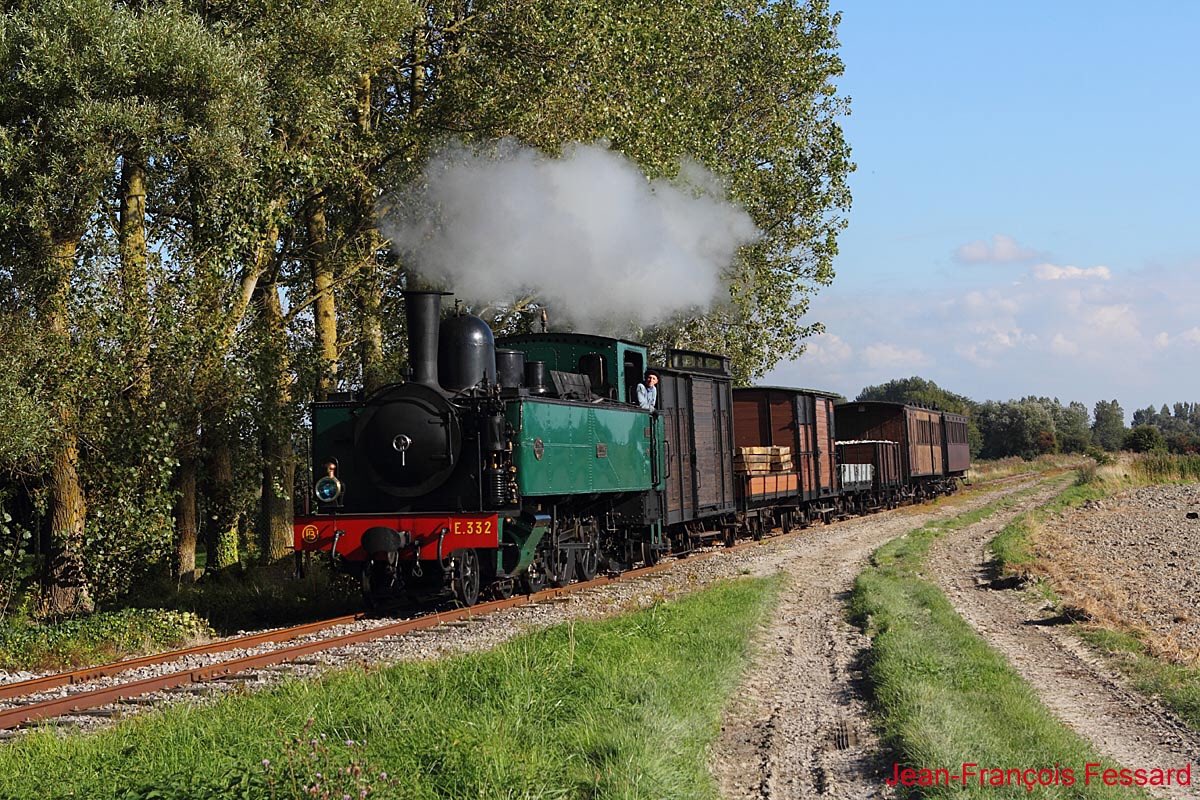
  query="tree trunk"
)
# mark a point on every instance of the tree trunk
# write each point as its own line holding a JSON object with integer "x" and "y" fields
{"x": 370, "y": 293}
{"x": 221, "y": 528}
{"x": 278, "y": 459}
{"x": 185, "y": 520}
{"x": 371, "y": 343}
{"x": 135, "y": 275}
{"x": 65, "y": 590}
{"x": 64, "y": 583}
{"x": 324, "y": 310}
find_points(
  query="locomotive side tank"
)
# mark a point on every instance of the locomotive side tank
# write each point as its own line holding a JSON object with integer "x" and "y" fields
{"x": 584, "y": 449}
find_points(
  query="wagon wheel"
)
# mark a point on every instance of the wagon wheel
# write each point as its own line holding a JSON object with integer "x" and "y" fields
{"x": 730, "y": 535}
{"x": 649, "y": 554}
{"x": 533, "y": 580}
{"x": 464, "y": 573}
{"x": 691, "y": 543}
{"x": 785, "y": 521}
{"x": 503, "y": 589}
{"x": 587, "y": 562}
{"x": 756, "y": 528}
{"x": 558, "y": 568}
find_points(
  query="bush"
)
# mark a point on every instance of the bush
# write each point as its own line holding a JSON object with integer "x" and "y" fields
{"x": 262, "y": 596}
{"x": 1087, "y": 474}
{"x": 1145, "y": 439}
{"x": 25, "y": 644}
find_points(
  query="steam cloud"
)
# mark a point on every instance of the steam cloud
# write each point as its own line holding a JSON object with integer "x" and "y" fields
{"x": 586, "y": 233}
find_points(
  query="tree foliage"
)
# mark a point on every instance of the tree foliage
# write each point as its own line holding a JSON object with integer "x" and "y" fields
{"x": 1108, "y": 425}
{"x": 1144, "y": 439}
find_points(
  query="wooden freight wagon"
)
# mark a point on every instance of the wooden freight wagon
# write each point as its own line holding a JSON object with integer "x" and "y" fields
{"x": 796, "y": 421}
{"x": 872, "y": 473}
{"x": 695, "y": 401}
{"x": 958, "y": 451}
{"x": 919, "y": 432}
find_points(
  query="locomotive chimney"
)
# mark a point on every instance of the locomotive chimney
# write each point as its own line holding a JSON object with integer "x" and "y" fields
{"x": 423, "y": 311}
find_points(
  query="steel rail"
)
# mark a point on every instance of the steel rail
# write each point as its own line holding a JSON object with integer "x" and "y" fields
{"x": 82, "y": 701}
{"x": 86, "y": 674}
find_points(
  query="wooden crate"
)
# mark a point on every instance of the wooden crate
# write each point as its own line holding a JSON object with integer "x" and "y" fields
{"x": 774, "y": 450}
{"x": 764, "y": 469}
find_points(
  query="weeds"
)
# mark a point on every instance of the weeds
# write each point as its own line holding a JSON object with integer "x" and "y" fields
{"x": 1161, "y": 467}
{"x": 104, "y": 636}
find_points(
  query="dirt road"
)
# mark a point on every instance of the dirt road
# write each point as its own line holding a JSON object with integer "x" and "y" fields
{"x": 798, "y": 727}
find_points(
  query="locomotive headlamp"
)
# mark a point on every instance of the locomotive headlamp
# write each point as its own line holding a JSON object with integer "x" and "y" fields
{"x": 328, "y": 489}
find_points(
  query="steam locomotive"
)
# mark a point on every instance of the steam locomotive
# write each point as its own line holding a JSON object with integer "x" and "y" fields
{"x": 503, "y": 466}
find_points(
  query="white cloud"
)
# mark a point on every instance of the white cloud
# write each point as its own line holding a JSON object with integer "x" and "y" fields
{"x": 1001, "y": 250}
{"x": 828, "y": 349}
{"x": 990, "y": 302}
{"x": 1053, "y": 272}
{"x": 890, "y": 356}
{"x": 1113, "y": 321}
{"x": 1191, "y": 336}
{"x": 1063, "y": 346}
{"x": 1162, "y": 340}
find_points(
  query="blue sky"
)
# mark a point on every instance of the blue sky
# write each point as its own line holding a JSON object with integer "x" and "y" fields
{"x": 1025, "y": 204}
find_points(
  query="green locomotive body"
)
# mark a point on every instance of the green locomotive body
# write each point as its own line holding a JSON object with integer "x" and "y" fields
{"x": 487, "y": 477}
{"x": 562, "y": 448}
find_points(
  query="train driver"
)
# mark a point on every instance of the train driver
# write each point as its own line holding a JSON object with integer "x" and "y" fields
{"x": 648, "y": 392}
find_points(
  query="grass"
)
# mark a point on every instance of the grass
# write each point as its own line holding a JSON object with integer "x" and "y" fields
{"x": 1177, "y": 685}
{"x": 1012, "y": 547}
{"x": 95, "y": 639}
{"x": 620, "y": 708}
{"x": 1167, "y": 468}
{"x": 994, "y": 469}
{"x": 165, "y": 615}
{"x": 943, "y": 696}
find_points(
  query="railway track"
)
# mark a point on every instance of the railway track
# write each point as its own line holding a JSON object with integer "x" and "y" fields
{"x": 24, "y": 703}
{"x": 82, "y": 693}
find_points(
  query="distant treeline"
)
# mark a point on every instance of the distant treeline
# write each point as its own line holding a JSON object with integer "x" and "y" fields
{"x": 1032, "y": 426}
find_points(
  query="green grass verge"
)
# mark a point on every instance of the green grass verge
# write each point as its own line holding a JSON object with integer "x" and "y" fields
{"x": 623, "y": 707}
{"x": 1012, "y": 546}
{"x": 1176, "y": 685}
{"x": 164, "y": 615}
{"x": 943, "y": 696}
